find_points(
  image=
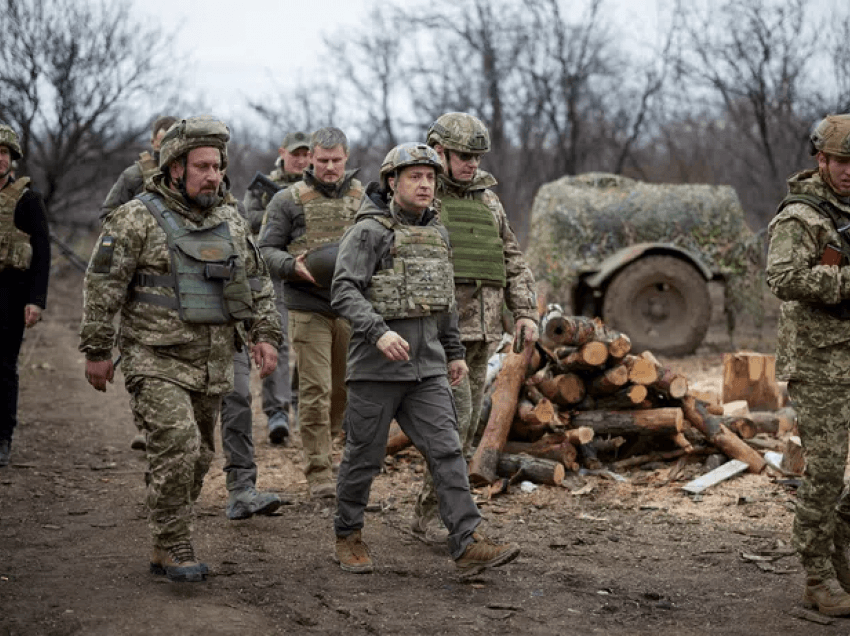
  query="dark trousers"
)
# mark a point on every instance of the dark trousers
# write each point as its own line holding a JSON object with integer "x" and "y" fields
{"x": 12, "y": 303}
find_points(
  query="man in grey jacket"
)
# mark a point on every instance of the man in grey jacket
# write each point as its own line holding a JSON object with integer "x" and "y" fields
{"x": 394, "y": 284}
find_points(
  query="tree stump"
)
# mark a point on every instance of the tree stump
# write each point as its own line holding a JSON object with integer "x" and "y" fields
{"x": 751, "y": 376}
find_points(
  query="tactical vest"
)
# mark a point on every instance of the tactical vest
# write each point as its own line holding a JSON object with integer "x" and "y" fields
{"x": 326, "y": 219}
{"x": 841, "y": 223}
{"x": 419, "y": 282}
{"x": 477, "y": 248}
{"x": 147, "y": 164}
{"x": 208, "y": 278}
{"x": 15, "y": 247}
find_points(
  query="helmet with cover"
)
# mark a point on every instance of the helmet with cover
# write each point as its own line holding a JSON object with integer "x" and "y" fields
{"x": 9, "y": 138}
{"x": 194, "y": 132}
{"x": 406, "y": 155}
{"x": 831, "y": 136}
{"x": 461, "y": 132}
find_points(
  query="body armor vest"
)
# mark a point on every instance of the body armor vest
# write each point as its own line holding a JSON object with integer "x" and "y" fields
{"x": 477, "y": 248}
{"x": 148, "y": 165}
{"x": 208, "y": 278}
{"x": 15, "y": 247}
{"x": 419, "y": 281}
{"x": 325, "y": 219}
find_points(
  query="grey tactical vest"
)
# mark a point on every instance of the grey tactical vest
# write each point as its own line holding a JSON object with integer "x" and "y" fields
{"x": 477, "y": 248}
{"x": 326, "y": 219}
{"x": 208, "y": 278}
{"x": 15, "y": 248}
{"x": 419, "y": 282}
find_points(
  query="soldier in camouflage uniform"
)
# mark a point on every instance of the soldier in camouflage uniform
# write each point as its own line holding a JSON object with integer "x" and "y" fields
{"x": 394, "y": 283}
{"x": 808, "y": 270}
{"x": 132, "y": 181}
{"x": 490, "y": 271}
{"x": 308, "y": 217}
{"x": 180, "y": 265}
{"x": 24, "y": 272}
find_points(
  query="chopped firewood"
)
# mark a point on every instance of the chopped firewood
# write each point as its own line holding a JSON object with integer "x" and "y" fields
{"x": 557, "y": 330}
{"x": 641, "y": 370}
{"x": 743, "y": 426}
{"x": 608, "y": 381}
{"x": 543, "y": 412}
{"x": 663, "y": 421}
{"x": 765, "y": 422}
{"x": 793, "y": 458}
{"x": 738, "y": 408}
{"x": 539, "y": 471}
{"x": 591, "y": 355}
{"x": 564, "y": 389}
{"x": 718, "y": 434}
{"x": 618, "y": 343}
{"x": 559, "y": 450}
{"x": 609, "y": 445}
{"x": 751, "y": 376}
{"x": 787, "y": 421}
{"x": 628, "y": 397}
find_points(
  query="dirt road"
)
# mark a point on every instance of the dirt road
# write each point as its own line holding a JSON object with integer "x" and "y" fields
{"x": 599, "y": 556}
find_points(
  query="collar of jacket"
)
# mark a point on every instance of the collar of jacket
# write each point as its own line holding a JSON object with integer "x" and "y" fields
{"x": 481, "y": 181}
{"x": 174, "y": 199}
{"x": 331, "y": 190}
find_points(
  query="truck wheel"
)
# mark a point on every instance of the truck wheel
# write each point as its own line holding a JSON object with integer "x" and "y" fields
{"x": 661, "y": 303}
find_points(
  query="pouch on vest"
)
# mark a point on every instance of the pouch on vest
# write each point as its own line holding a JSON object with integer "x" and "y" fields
{"x": 238, "y": 299}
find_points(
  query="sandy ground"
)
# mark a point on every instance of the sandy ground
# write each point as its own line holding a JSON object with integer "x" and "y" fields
{"x": 599, "y": 556}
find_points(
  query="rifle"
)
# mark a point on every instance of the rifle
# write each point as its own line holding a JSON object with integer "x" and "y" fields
{"x": 70, "y": 254}
{"x": 263, "y": 185}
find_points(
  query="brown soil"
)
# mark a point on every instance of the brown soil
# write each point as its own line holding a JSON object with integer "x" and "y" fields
{"x": 598, "y": 556}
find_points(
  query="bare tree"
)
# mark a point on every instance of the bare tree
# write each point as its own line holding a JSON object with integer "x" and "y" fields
{"x": 69, "y": 72}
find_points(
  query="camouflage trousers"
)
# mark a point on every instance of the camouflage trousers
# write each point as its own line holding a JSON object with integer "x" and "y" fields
{"x": 822, "y": 518}
{"x": 180, "y": 426}
{"x": 468, "y": 396}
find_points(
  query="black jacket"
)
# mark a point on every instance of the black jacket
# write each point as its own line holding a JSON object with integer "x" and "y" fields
{"x": 31, "y": 217}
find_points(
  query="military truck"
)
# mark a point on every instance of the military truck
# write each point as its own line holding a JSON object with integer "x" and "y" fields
{"x": 641, "y": 256}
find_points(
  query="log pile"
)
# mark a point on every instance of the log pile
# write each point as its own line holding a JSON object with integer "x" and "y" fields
{"x": 580, "y": 398}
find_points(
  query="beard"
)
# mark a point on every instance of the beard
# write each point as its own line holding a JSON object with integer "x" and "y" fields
{"x": 206, "y": 200}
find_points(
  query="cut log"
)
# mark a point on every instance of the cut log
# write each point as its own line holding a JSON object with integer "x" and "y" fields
{"x": 743, "y": 426}
{"x": 564, "y": 389}
{"x": 541, "y": 413}
{"x": 397, "y": 440}
{"x": 751, "y": 376}
{"x": 671, "y": 384}
{"x": 765, "y": 422}
{"x": 504, "y": 397}
{"x": 793, "y": 459}
{"x": 557, "y": 330}
{"x": 586, "y": 357}
{"x": 618, "y": 343}
{"x": 539, "y": 471}
{"x": 641, "y": 370}
{"x": 609, "y": 445}
{"x": 580, "y": 435}
{"x": 787, "y": 421}
{"x": 665, "y": 421}
{"x": 609, "y": 381}
{"x": 559, "y": 451}
{"x": 717, "y": 433}
{"x": 738, "y": 408}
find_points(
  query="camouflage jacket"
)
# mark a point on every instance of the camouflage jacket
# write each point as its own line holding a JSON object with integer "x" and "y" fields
{"x": 256, "y": 202}
{"x": 813, "y": 343}
{"x": 153, "y": 341}
{"x": 130, "y": 183}
{"x": 480, "y": 308}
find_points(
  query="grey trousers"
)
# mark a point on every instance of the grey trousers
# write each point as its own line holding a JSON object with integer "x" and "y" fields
{"x": 425, "y": 411}
{"x": 277, "y": 388}
{"x": 236, "y": 427}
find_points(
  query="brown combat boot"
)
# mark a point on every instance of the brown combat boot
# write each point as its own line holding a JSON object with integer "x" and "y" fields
{"x": 827, "y": 596}
{"x": 842, "y": 567}
{"x": 352, "y": 554}
{"x": 178, "y": 563}
{"x": 483, "y": 553}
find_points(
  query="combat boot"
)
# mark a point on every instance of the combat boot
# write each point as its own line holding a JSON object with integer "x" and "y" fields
{"x": 279, "y": 428}
{"x": 352, "y": 554}
{"x": 178, "y": 563}
{"x": 483, "y": 553}
{"x": 827, "y": 596}
{"x": 842, "y": 567}
{"x": 5, "y": 452}
{"x": 430, "y": 529}
{"x": 139, "y": 442}
{"x": 247, "y": 502}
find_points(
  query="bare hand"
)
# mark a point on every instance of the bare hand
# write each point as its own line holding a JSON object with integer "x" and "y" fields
{"x": 99, "y": 373}
{"x": 531, "y": 333}
{"x": 301, "y": 269}
{"x": 265, "y": 358}
{"x": 393, "y": 346}
{"x": 32, "y": 314}
{"x": 457, "y": 369}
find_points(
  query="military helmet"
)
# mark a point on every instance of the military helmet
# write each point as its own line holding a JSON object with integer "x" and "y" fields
{"x": 321, "y": 263}
{"x": 461, "y": 132}
{"x": 831, "y": 135}
{"x": 9, "y": 138}
{"x": 194, "y": 132}
{"x": 406, "y": 155}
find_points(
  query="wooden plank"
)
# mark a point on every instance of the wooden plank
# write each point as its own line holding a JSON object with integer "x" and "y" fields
{"x": 712, "y": 478}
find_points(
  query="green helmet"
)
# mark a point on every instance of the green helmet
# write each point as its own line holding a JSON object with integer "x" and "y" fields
{"x": 194, "y": 132}
{"x": 9, "y": 139}
{"x": 831, "y": 135}
{"x": 409, "y": 154}
{"x": 459, "y": 131}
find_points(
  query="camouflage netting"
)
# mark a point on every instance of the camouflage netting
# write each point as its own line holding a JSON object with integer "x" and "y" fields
{"x": 577, "y": 222}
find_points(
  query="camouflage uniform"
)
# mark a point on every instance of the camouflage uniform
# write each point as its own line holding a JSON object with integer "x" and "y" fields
{"x": 480, "y": 315}
{"x": 175, "y": 371}
{"x": 130, "y": 183}
{"x": 256, "y": 204}
{"x": 813, "y": 354}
